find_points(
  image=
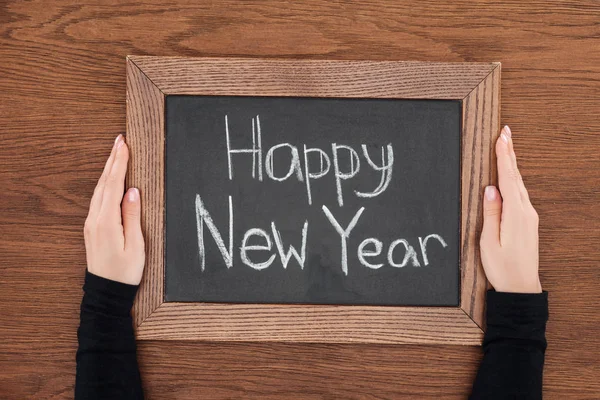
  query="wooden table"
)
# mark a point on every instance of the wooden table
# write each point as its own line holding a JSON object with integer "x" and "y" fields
{"x": 62, "y": 93}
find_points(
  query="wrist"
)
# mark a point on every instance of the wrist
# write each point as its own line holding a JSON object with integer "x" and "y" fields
{"x": 534, "y": 287}
{"x": 111, "y": 297}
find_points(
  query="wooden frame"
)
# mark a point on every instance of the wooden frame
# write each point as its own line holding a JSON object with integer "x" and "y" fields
{"x": 150, "y": 79}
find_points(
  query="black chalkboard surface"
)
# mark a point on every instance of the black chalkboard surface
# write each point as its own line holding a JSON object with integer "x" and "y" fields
{"x": 365, "y": 191}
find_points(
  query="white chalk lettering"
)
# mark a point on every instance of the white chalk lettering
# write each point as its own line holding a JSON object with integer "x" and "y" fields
{"x": 283, "y": 162}
{"x": 285, "y": 257}
{"x": 245, "y": 247}
{"x": 344, "y": 233}
{"x": 294, "y": 163}
{"x": 410, "y": 254}
{"x": 256, "y": 149}
{"x": 313, "y": 174}
{"x": 339, "y": 175}
{"x": 362, "y": 252}
{"x": 204, "y": 218}
{"x": 385, "y": 169}
{"x": 423, "y": 243}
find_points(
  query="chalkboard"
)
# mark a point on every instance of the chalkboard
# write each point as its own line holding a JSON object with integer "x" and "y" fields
{"x": 312, "y": 200}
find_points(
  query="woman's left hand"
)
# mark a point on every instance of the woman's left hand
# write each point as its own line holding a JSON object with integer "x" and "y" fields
{"x": 114, "y": 242}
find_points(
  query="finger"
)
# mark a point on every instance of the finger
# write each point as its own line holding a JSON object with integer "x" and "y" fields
{"x": 132, "y": 227}
{"x": 114, "y": 185}
{"x": 524, "y": 193}
{"x": 513, "y": 156}
{"x": 96, "y": 201}
{"x": 492, "y": 215}
{"x": 508, "y": 173}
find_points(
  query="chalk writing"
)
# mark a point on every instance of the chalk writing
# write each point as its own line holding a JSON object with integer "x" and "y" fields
{"x": 315, "y": 163}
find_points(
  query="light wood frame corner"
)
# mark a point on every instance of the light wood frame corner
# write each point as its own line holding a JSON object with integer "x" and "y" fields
{"x": 150, "y": 79}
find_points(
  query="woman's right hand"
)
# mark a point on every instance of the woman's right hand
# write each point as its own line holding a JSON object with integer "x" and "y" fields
{"x": 509, "y": 238}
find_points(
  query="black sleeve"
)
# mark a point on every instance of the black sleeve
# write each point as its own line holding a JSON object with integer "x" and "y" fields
{"x": 514, "y": 345}
{"x": 106, "y": 358}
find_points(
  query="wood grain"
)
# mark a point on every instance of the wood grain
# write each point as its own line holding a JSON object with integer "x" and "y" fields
{"x": 63, "y": 102}
{"x": 481, "y": 127}
{"x": 477, "y": 85}
{"x": 146, "y": 140}
{"x": 310, "y": 324}
{"x": 313, "y": 78}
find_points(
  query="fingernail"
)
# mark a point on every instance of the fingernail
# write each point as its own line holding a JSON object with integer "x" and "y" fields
{"x": 118, "y": 139}
{"x": 507, "y": 131}
{"x": 490, "y": 193}
{"x": 504, "y": 137}
{"x": 133, "y": 195}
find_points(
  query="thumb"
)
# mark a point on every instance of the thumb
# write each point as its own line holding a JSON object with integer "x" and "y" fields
{"x": 132, "y": 227}
{"x": 492, "y": 214}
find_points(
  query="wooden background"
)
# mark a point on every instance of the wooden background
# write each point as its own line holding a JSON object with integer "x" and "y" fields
{"x": 62, "y": 93}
